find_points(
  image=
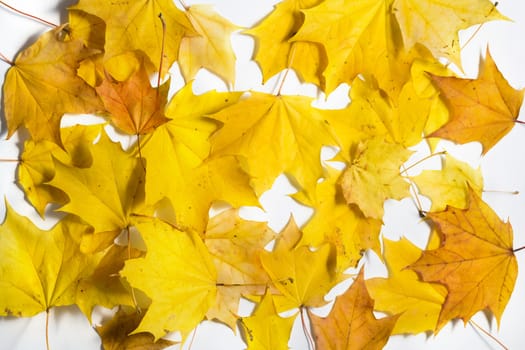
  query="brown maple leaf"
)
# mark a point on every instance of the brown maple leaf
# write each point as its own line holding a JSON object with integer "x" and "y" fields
{"x": 351, "y": 324}
{"x": 475, "y": 260}
{"x": 134, "y": 105}
{"x": 483, "y": 109}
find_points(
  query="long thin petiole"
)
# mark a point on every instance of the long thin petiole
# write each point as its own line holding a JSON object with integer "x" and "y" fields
{"x": 474, "y": 324}
{"x": 6, "y": 60}
{"x": 38, "y": 19}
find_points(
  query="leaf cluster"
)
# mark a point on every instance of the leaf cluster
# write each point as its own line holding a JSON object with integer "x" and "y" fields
{"x": 139, "y": 228}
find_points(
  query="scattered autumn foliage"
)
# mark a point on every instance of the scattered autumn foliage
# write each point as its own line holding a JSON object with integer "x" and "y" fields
{"x": 191, "y": 152}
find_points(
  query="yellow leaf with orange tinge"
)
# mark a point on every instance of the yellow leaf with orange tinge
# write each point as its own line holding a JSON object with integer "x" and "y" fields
{"x": 483, "y": 109}
{"x": 351, "y": 323}
{"x": 475, "y": 261}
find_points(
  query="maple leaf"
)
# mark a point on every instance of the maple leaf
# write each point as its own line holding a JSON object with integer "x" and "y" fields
{"x": 37, "y": 166}
{"x": 293, "y": 124}
{"x": 211, "y": 48}
{"x": 338, "y": 25}
{"x": 90, "y": 29}
{"x": 274, "y": 52}
{"x": 235, "y": 245}
{"x": 417, "y": 303}
{"x": 417, "y": 21}
{"x": 336, "y": 222}
{"x": 351, "y": 323}
{"x": 110, "y": 188}
{"x": 114, "y": 333}
{"x": 177, "y": 273}
{"x": 265, "y": 329}
{"x": 135, "y": 25}
{"x": 374, "y": 113}
{"x": 104, "y": 286}
{"x": 42, "y": 85}
{"x": 449, "y": 186}
{"x": 40, "y": 269}
{"x": 373, "y": 176}
{"x": 483, "y": 109}
{"x": 475, "y": 260}
{"x": 133, "y": 105}
{"x": 174, "y": 156}
{"x": 302, "y": 276}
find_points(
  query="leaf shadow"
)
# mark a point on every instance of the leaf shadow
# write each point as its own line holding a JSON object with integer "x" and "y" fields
{"x": 62, "y": 7}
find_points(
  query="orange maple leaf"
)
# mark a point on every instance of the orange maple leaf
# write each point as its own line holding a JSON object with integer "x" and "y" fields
{"x": 475, "y": 261}
{"x": 134, "y": 105}
{"x": 483, "y": 109}
{"x": 351, "y": 324}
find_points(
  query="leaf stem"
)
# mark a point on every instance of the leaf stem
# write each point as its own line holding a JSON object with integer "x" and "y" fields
{"x": 290, "y": 60}
{"x": 474, "y": 324}
{"x": 502, "y": 191}
{"x": 133, "y": 296}
{"x": 47, "y": 330}
{"x": 183, "y": 5}
{"x": 6, "y": 60}
{"x": 519, "y": 121}
{"x": 422, "y": 160}
{"x": 38, "y": 19}
{"x": 518, "y": 249}
{"x": 193, "y": 337}
{"x": 311, "y": 344}
{"x": 161, "y": 53}
{"x": 139, "y": 149}
{"x": 10, "y": 160}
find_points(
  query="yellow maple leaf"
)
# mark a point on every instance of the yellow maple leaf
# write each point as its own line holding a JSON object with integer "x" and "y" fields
{"x": 483, "y": 109}
{"x": 449, "y": 186}
{"x": 351, "y": 323}
{"x": 135, "y": 25}
{"x": 417, "y": 303}
{"x": 417, "y": 21}
{"x": 475, "y": 261}
{"x": 302, "y": 276}
{"x": 265, "y": 329}
{"x": 110, "y": 188}
{"x": 88, "y": 28}
{"x": 273, "y": 50}
{"x": 235, "y": 245}
{"x": 40, "y": 269}
{"x": 177, "y": 273}
{"x": 103, "y": 287}
{"x": 211, "y": 48}
{"x": 336, "y": 222}
{"x": 174, "y": 156}
{"x": 294, "y": 126}
{"x": 37, "y": 166}
{"x": 43, "y": 84}
{"x": 339, "y": 25}
{"x": 373, "y": 176}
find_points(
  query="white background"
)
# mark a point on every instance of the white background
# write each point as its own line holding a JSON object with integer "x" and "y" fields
{"x": 503, "y": 169}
